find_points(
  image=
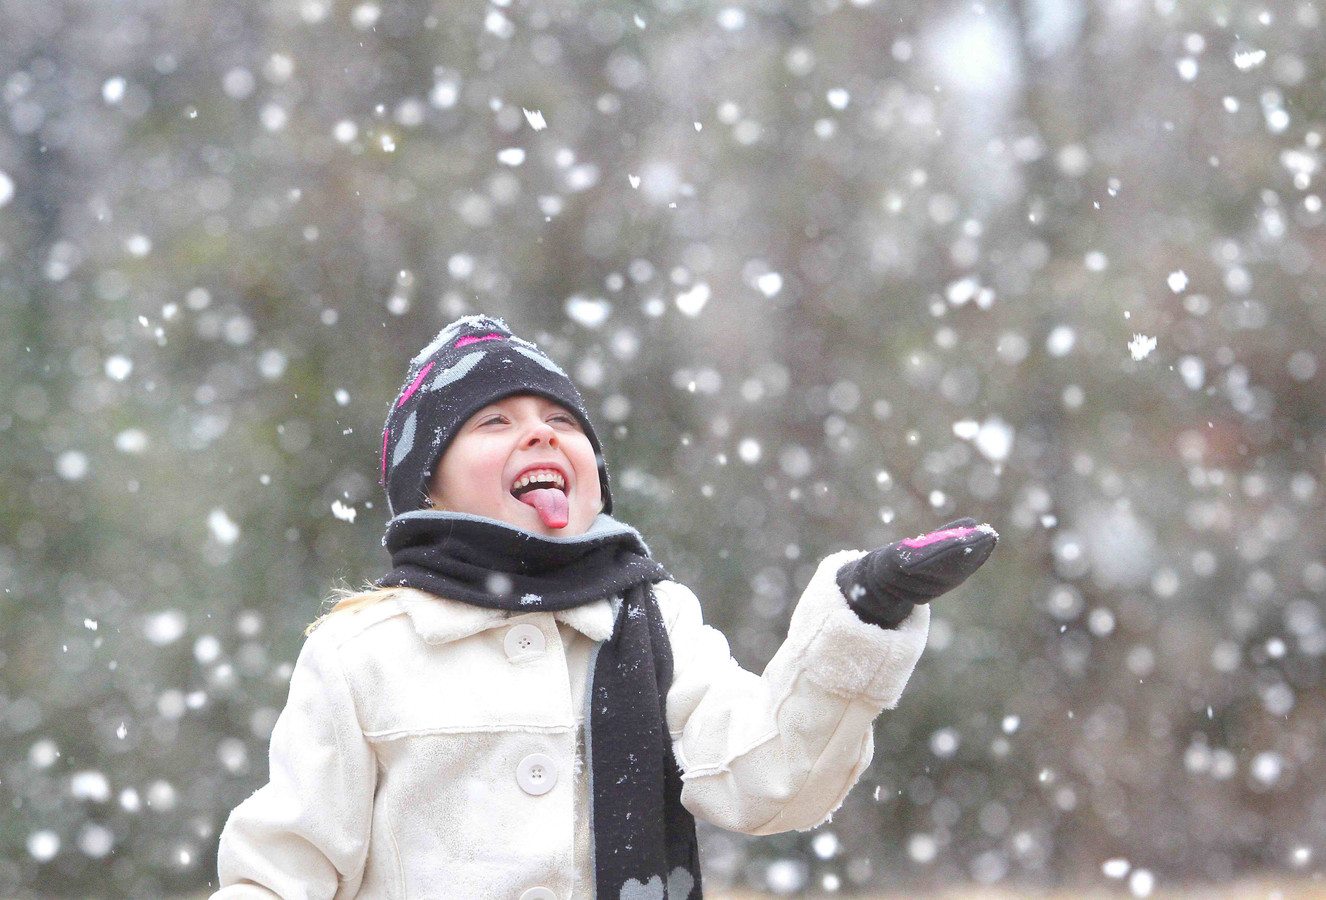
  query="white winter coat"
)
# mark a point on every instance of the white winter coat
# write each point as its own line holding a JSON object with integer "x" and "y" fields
{"x": 433, "y": 749}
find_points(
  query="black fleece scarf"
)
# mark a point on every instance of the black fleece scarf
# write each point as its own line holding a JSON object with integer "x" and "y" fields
{"x": 645, "y": 845}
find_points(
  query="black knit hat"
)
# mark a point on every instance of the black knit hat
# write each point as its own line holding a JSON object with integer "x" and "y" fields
{"x": 474, "y": 361}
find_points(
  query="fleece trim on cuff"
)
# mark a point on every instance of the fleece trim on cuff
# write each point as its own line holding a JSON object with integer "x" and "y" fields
{"x": 848, "y": 656}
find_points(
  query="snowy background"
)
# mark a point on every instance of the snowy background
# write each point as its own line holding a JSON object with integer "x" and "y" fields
{"x": 829, "y": 274}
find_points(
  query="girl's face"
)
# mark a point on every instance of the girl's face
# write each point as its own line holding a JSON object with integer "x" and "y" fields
{"x": 501, "y": 445}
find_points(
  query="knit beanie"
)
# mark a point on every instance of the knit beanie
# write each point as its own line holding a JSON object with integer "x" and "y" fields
{"x": 474, "y": 361}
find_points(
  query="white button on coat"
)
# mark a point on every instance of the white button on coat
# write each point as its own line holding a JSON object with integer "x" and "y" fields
{"x": 538, "y": 893}
{"x": 523, "y": 640}
{"x": 537, "y": 773}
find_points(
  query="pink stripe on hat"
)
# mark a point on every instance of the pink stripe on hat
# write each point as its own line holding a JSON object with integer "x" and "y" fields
{"x": 471, "y": 339}
{"x": 385, "y": 432}
{"x": 414, "y": 387}
{"x": 926, "y": 540}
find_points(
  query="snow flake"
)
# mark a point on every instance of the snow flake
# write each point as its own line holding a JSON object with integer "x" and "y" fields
{"x": 1177, "y": 281}
{"x": 43, "y": 845}
{"x": 273, "y": 117}
{"x": 1267, "y": 767}
{"x": 343, "y": 512}
{"x": 786, "y": 876}
{"x": 993, "y": 437}
{"x": 498, "y": 24}
{"x": 589, "y": 312}
{"x": 1247, "y": 57}
{"x": 511, "y": 156}
{"x": 43, "y": 754}
{"x": 826, "y": 845}
{"x": 365, "y": 16}
{"x": 1141, "y": 346}
{"x": 967, "y": 429}
{"x": 409, "y": 112}
{"x": 444, "y": 94}
{"x": 95, "y": 840}
{"x": 692, "y": 301}
{"x": 90, "y": 785}
{"x": 769, "y": 284}
{"x": 731, "y": 18}
{"x": 535, "y": 119}
{"x": 6, "y": 189}
{"x": 944, "y": 742}
{"x": 1116, "y": 868}
{"x": 238, "y": 83}
{"x": 71, "y": 465}
{"x": 1060, "y": 340}
{"x": 164, "y": 628}
{"x": 922, "y": 848}
{"x": 112, "y": 90}
{"x": 223, "y": 530}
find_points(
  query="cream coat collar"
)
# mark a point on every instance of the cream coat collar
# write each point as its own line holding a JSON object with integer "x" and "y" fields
{"x": 438, "y": 620}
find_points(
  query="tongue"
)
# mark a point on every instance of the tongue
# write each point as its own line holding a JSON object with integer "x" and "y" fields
{"x": 550, "y": 504}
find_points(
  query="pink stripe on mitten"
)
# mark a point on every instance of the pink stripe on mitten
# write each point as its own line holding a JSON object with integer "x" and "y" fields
{"x": 926, "y": 540}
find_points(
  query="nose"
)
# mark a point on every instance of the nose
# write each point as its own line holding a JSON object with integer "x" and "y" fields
{"x": 541, "y": 432}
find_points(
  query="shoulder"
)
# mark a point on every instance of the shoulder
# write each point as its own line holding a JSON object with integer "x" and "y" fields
{"x": 678, "y": 604}
{"x": 364, "y": 617}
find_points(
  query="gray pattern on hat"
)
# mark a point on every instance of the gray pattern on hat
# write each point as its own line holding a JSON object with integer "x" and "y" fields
{"x": 455, "y": 373}
{"x": 404, "y": 443}
{"x": 540, "y": 359}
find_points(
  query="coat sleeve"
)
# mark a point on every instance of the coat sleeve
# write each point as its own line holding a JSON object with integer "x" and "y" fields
{"x": 305, "y": 833}
{"x": 761, "y": 754}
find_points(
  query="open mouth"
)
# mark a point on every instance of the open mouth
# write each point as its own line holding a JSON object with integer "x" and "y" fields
{"x": 545, "y": 491}
{"x": 538, "y": 479}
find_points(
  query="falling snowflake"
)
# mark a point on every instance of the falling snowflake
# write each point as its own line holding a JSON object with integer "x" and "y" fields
{"x": 1141, "y": 346}
{"x": 535, "y": 119}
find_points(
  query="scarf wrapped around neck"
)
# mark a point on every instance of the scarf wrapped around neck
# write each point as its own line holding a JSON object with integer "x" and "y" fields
{"x": 645, "y": 845}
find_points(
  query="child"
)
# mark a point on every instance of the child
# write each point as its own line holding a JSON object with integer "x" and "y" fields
{"x": 528, "y": 707}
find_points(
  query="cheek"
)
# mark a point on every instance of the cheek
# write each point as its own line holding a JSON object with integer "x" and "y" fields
{"x": 471, "y": 473}
{"x": 588, "y": 469}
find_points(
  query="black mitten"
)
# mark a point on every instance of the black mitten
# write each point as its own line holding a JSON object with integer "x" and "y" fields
{"x": 884, "y": 585}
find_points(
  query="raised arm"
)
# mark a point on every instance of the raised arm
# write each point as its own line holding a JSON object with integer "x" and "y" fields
{"x": 776, "y": 752}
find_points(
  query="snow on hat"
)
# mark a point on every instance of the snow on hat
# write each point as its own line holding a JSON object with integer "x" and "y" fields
{"x": 474, "y": 361}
